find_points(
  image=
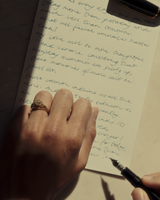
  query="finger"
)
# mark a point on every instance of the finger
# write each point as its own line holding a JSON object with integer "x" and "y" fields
{"x": 81, "y": 113}
{"x": 77, "y": 125}
{"x": 152, "y": 180}
{"x": 139, "y": 194}
{"x": 61, "y": 105}
{"x": 46, "y": 99}
{"x": 35, "y": 125}
{"x": 88, "y": 139}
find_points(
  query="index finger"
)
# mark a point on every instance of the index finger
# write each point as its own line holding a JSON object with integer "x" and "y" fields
{"x": 81, "y": 112}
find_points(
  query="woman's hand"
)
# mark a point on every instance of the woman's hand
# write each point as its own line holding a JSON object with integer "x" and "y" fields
{"x": 151, "y": 181}
{"x": 44, "y": 152}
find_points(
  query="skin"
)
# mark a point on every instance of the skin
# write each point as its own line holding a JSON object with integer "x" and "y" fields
{"x": 44, "y": 152}
{"x": 151, "y": 181}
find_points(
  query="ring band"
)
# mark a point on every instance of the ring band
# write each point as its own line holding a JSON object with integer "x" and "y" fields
{"x": 38, "y": 105}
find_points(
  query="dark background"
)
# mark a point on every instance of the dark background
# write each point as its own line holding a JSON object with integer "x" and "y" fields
{"x": 16, "y": 22}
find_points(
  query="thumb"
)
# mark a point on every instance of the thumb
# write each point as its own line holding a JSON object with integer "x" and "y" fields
{"x": 152, "y": 181}
{"x": 139, "y": 194}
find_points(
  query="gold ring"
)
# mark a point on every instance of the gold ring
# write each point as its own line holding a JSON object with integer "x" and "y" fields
{"x": 38, "y": 105}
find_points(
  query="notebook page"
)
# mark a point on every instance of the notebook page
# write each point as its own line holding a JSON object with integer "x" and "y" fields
{"x": 77, "y": 45}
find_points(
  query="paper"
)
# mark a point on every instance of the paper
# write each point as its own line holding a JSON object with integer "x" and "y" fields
{"x": 77, "y": 45}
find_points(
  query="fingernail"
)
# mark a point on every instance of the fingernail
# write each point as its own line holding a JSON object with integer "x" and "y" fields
{"x": 148, "y": 177}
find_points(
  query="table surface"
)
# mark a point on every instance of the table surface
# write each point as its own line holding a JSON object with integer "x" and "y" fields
{"x": 16, "y": 19}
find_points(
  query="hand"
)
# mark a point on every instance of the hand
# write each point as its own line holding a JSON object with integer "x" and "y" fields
{"x": 151, "y": 181}
{"x": 44, "y": 152}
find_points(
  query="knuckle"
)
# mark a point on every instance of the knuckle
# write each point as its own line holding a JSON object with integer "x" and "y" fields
{"x": 66, "y": 93}
{"x": 51, "y": 134}
{"x": 30, "y": 133}
{"x": 85, "y": 104}
{"x": 74, "y": 143}
{"x": 44, "y": 93}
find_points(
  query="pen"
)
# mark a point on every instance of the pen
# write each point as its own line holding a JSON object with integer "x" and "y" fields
{"x": 142, "y": 6}
{"x": 135, "y": 180}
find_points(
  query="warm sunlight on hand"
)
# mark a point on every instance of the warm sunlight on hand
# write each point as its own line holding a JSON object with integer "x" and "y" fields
{"x": 45, "y": 151}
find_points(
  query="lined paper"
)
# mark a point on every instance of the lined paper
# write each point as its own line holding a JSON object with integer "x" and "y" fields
{"x": 77, "y": 45}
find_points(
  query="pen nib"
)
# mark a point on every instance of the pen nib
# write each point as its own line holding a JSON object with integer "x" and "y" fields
{"x": 117, "y": 164}
{"x": 114, "y": 162}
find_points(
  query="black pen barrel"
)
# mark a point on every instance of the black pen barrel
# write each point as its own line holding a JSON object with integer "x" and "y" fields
{"x": 136, "y": 182}
{"x": 142, "y": 6}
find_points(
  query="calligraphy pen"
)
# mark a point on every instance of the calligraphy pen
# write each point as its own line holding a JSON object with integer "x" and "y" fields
{"x": 135, "y": 180}
{"x": 143, "y": 6}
